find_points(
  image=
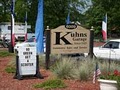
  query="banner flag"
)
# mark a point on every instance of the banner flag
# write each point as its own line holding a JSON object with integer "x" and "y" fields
{"x": 26, "y": 26}
{"x": 13, "y": 21}
{"x": 39, "y": 28}
{"x": 104, "y": 28}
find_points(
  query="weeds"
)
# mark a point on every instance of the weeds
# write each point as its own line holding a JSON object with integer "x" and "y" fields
{"x": 5, "y": 54}
{"x": 10, "y": 69}
{"x": 50, "y": 84}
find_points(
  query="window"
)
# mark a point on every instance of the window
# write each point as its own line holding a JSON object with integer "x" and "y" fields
{"x": 111, "y": 44}
{"x": 9, "y": 27}
{"x": 30, "y": 40}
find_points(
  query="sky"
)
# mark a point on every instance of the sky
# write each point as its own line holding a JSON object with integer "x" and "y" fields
{"x": 89, "y": 3}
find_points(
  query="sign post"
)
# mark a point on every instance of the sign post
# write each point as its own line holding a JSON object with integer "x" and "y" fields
{"x": 91, "y": 42}
{"x": 27, "y": 63}
{"x": 47, "y": 57}
{"x": 68, "y": 39}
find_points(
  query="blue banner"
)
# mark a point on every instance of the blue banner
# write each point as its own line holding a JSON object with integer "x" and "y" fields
{"x": 39, "y": 28}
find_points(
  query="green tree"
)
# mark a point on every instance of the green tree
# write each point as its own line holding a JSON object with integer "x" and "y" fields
{"x": 97, "y": 11}
{"x": 32, "y": 13}
{"x": 20, "y": 9}
{"x": 55, "y": 11}
{"x": 4, "y": 10}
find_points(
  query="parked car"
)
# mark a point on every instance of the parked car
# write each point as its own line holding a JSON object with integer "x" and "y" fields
{"x": 110, "y": 50}
{"x": 5, "y": 43}
{"x": 30, "y": 42}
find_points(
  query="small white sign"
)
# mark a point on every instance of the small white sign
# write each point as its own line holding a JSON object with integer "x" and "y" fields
{"x": 27, "y": 60}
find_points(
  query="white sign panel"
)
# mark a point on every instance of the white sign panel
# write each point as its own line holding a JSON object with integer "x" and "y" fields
{"x": 27, "y": 60}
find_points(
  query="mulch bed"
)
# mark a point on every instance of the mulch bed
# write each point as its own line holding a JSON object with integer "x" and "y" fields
{"x": 8, "y": 83}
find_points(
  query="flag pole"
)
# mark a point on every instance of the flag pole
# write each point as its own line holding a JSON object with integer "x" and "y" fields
{"x": 106, "y": 26}
{"x": 26, "y": 26}
{"x": 11, "y": 46}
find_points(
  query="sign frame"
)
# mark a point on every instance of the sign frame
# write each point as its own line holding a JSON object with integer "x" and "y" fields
{"x": 18, "y": 74}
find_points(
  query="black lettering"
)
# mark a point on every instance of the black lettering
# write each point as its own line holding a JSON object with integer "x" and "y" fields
{"x": 26, "y": 64}
{"x": 26, "y": 57}
{"x": 78, "y": 34}
{"x": 27, "y": 49}
{"x": 58, "y": 38}
{"x": 27, "y": 53}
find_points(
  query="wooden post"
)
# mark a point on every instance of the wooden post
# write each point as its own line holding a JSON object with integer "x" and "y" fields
{"x": 48, "y": 40}
{"x": 91, "y": 42}
{"x": 38, "y": 74}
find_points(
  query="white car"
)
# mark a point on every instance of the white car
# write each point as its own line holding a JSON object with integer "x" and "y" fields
{"x": 30, "y": 42}
{"x": 110, "y": 50}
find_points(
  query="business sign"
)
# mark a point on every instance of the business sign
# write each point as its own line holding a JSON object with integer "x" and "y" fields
{"x": 65, "y": 40}
{"x": 27, "y": 60}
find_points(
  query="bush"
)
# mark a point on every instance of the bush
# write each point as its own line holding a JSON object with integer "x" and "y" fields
{"x": 64, "y": 68}
{"x": 69, "y": 68}
{"x": 104, "y": 66}
{"x": 81, "y": 74}
{"x": 84, "y": 70}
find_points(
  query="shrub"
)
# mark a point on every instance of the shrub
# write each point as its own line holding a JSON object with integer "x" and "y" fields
{"x": 64, "y": 68}
{"x": 50, "y": 84}
{"x": 69, "y": 68}
{"x": 81, "y": 74}
{"x": 104, "y": 66}
{"x": 84, "y": 70}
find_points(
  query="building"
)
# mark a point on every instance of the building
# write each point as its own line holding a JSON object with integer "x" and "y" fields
{"x": 20, "y": 30}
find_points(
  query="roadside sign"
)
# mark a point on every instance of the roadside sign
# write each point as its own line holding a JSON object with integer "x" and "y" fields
{"x": 27, "y": 60}
{"x": 70, "y": 40}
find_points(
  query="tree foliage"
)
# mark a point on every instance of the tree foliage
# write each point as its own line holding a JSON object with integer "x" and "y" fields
{"x": 97, "y": 11}
{"x": 55, "y": 11}
{"x": 4, "y": 10}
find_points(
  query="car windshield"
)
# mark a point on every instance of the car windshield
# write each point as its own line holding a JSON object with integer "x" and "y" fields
{"x": 33, "y": 39}
{"x": 30, "y": 40}
{"x": 111, "y": 44}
